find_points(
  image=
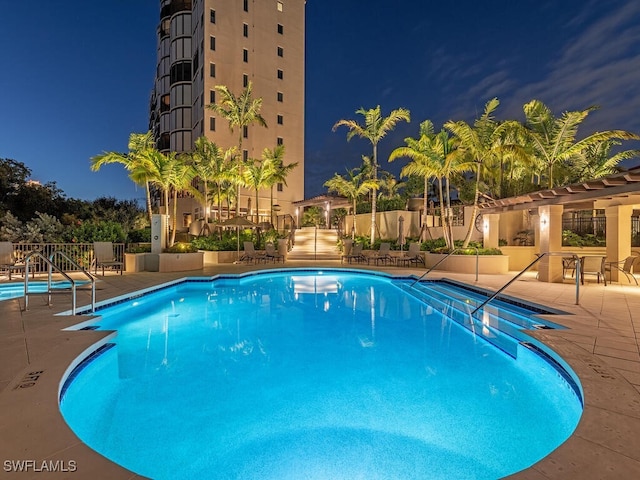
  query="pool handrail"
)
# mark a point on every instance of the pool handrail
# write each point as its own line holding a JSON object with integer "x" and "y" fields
{"x": 52, "y": 266}
{"x": 536, "y": 260}
{"x": 443, "y": 259}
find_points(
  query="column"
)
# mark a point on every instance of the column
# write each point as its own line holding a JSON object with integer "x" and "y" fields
{"x": 550, "y": 267}
{"x": 618, "y": 235}
{"x": 491, "y": 230}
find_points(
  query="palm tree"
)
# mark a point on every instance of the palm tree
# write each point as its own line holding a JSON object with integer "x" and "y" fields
{"x": 554, "y": 139}
{"x": 177, "y": 176}
{"x": 279, "y": 170}
{"x": 256, "y": 175}
{"x": 353, "y": 186}
{"x": 240, "y": 112}
{"x": 134, "y": 161}
{"x": 433, "y": 155}
{"x": 375, "y": 128}
{"x": 480, "y": 143}
{"x": 596, "y": 161}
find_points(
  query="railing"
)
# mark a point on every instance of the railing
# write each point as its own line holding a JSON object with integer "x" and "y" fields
{"x": 51, "y": 267}
{"x": 443, "y": 259}
{"x": 576, "y": 259}
{"x": 78, "y": 255}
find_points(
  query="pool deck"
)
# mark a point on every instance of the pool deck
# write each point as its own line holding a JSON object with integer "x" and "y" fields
{"x": 601, "y": 344}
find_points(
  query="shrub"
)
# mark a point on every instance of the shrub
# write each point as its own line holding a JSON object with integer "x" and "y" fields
{"x": 139, "y": 236}
{"x": 181, "y": 247}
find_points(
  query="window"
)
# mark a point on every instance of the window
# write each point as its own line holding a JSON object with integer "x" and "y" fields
{"x": 212, "y": 96}
{"x": 212, "y": 70}
{"x": 280, "y": 74}
{"x": 246, "y": 5}
{"x": 245, "y": 80}
{"x": 280, "y": 52}
{"x": 245, "y": 55}
{"x": 212, "y": 124}
{"x": 245, "y": 155}
{"x": 245, "y": 30}
{"x": 212, "y": 43}
{"x": 280, "y": 141}
{"x": 280, "y": 96}
{"x": 280, "y": 28}
{"x": 280, "y": 6}
{"x": 245, "y": 132}
{"x": 280, "y": 120}
{"x": 212, "y": 16}
{"x": 280, "y": 186}
{"x": 180, "y": 72}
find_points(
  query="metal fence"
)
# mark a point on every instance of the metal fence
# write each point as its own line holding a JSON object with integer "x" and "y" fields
{"x": 635, "y": 231}
{"x": 456, "y": 215}
{"x": 81, "y": 253}
{"x": 583, "y": 225}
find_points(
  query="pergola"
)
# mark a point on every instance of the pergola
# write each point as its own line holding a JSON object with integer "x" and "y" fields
{"x": 618, "y": 195}
{"x": 326, "y": 202}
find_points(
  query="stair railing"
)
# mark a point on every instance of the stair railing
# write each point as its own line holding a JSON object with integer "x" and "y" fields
{"x": 443, "y": 259}
{"x": 575, "y": 257}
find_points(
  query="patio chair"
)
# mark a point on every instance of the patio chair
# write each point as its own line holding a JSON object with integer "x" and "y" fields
{"x": 103, "y": 257}
{"x": 355, "y": 255}
{"x": 348, "y": 247}
{"x": 272, "y": 254}
{"x": 592, "y": 265}
{"x": 568, "y": 263}
{"x": 625, "y": 266}
{"x": 382, "y": 255}
{"x": 8, "y": 261}
{"x": 250, "y": 254}
{"x": 412, "y": 255}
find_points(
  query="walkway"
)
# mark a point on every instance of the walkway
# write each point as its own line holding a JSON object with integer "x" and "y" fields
{"x": 601, "y": 345}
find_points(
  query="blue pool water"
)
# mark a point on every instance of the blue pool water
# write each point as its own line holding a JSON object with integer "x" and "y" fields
{"x": 15, "y": 290}
{"x": 309, "y": 375}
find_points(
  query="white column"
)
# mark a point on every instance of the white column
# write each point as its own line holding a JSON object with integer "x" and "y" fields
{"x": 550, "y": 267}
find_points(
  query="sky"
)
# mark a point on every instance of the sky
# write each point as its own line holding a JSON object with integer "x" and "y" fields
{"x": 76, "y": 81}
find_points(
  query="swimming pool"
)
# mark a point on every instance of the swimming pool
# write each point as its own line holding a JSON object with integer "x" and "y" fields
{"x": 16, "y": 289}
{"x": 306, "y": 374}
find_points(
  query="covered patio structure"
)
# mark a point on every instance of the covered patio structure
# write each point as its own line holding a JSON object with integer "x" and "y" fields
{"x": 617, "y": 195}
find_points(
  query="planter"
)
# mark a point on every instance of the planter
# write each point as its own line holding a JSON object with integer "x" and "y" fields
{"x": 214, "y": 258}
{"x": 487, "y": 264}
{"x": 174, "y": 262}
{"x": 134, "y": 262}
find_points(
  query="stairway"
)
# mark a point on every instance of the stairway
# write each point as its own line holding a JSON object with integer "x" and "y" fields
{"x": 312, "y": 244}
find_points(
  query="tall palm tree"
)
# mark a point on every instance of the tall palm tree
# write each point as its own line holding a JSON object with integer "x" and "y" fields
{"x": 178, "y": 175}
{"x": 279, "y": 170}
{"x": 134, "y": 161}
{"x": 433, "y": 156}
{"x": 240, "y": 112}
{"x": 374, "y": 129}
{"x": 352, "y": 186}
{"x": 256, "y": 175}
{"x": 596, "y": 161}
{"x": 554, "y": 139}
{"x": 479, "y": 142}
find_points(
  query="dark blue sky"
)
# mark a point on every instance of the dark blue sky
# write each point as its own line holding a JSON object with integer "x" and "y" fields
{"x": 76, "y": 80}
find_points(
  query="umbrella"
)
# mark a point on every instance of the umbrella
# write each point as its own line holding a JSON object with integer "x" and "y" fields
{"x": 238, "y": 222}
{"x": 401, "y": 237}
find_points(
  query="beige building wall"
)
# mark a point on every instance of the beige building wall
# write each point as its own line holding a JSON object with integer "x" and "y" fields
{"x": 234, "y": 42}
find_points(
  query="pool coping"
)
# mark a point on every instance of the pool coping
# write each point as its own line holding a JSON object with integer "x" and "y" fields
{"x": 597, "y": 449}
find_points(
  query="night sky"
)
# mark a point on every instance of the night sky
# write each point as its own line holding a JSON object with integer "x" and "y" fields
{"x": 77, "y": 76}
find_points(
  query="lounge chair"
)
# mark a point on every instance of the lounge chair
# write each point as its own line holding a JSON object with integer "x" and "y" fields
{"x": 250, "y": 254}
{"x": 625, "y": 266}
{"x": 412, "y": 255}
{"x": 347, "y": 249}
{"x": 103, "y": 257}
{"x": 592, "y": 265}
{"x": 272, "y": 254}
{"x": 382, "y": 255}
{"x": 355, "y": 255}
{"x": 8, "y": 261}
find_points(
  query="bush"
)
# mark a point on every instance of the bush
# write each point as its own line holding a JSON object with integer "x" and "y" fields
{"x": 98, "y": 232}
{"x": 139, "y": 236}
{"x": 572, "y": 239}
{"x": 181, "y": 247}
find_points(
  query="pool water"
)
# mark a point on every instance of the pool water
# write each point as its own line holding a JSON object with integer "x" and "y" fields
{"x": 308, "y": 375}
{"x": 16, "y": 290}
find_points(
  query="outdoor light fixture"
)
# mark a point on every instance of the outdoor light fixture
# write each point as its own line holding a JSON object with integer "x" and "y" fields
{"x": 543, "y": 221}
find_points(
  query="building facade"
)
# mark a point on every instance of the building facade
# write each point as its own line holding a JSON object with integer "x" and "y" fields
{"x": 205, "y": 43}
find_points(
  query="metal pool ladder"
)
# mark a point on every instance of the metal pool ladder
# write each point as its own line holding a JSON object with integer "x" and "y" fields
{"x": 538, "y": 258}
{"x": 51, "y": 267}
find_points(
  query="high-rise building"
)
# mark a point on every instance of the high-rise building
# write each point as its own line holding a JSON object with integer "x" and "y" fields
{"x": 204, "y": 43}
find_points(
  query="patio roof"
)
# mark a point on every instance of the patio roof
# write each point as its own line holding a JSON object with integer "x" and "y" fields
{"x": 335, "y": 201}
{"x": 584, "y": 194}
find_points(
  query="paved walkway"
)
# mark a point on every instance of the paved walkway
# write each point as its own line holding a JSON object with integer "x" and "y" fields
{"x": 601, "y": 345}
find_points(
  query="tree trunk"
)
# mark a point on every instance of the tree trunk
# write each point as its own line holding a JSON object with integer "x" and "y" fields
{"x": 148, "y": 191}
{"x": 374, "y": 195}
{"x": 425, "y": 205}
{"x": 474, "y": 212}
{"x": 174, "y": 222}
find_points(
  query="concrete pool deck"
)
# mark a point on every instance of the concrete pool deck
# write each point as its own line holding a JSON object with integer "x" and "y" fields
{"x": 601, "y": 344}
